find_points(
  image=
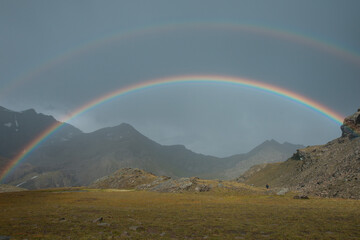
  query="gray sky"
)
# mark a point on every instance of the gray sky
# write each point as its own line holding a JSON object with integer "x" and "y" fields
{"x": 57, "y": 55}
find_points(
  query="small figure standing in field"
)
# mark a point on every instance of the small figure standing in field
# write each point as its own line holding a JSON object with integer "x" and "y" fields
{"x": 267, "y": 186}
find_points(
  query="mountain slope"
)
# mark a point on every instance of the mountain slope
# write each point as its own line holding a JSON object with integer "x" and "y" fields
{"x": 18, "y": 128}
{"x": 330, "y": 170}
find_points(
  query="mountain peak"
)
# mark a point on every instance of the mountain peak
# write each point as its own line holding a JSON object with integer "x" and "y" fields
{"x": 29, "y": 111}
{"x": 123, "y": 128}
{"x": 271, "y": 142}
{"x": 17, "y": 129}
{"x": 121, "y": 131}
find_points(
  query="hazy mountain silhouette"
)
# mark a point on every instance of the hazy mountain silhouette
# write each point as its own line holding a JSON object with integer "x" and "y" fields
{"x": 17, "y": 129}
{"x": 71, "y": 157}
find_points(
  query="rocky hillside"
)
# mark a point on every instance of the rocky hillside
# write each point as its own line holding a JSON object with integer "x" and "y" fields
{"x": 129, "y": 178}
{"x": 330, "y": 170}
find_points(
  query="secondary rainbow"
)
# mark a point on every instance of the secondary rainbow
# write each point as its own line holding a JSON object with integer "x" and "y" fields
{"x": 168, "y": 81}
{"x": 350, "y": 55}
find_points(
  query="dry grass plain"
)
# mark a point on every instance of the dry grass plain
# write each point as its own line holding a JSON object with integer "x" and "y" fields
{"x": 70, "y": 214}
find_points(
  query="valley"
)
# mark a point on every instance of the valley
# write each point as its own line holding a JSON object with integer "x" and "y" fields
{"x": 80, "y": 213}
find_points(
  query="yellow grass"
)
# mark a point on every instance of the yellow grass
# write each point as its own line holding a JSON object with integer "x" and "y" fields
{"x": 69, "y": 214}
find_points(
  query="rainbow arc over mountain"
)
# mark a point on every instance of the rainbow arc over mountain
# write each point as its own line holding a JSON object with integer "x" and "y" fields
{"x": 173, "y": 81}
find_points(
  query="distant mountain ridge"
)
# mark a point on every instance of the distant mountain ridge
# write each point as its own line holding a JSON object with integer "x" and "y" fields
{"x": 72, "y": 158}
{"x": 269, "y": 151}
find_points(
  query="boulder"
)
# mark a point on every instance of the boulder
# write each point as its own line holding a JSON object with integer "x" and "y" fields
{"x": 351, "y": 126}
{"x": 301, "y": 197}
{"x": 282, "y": 191}
{"x": 137, "y": 228}
{"x": 98, "y": 220}
{"x": 202, "y": 188}
{"x": 103, "y": 224}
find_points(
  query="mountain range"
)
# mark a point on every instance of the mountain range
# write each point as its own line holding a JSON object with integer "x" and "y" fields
{"x": 73, "y": 158}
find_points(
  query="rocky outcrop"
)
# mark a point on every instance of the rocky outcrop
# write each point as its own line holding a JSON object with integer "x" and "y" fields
{"x": 137, "y": 179}
{"x": 351, "y": 126}
{"x": 127, "y": 178}
{"x": 175, "y": 185}
{"x": 133, "y": 178}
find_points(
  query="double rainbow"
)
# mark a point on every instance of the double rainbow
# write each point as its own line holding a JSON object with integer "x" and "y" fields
{"x": 205, "y": 79}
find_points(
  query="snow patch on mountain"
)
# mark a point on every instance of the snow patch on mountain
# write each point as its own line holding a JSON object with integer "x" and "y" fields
{"x": 9, "y": 124}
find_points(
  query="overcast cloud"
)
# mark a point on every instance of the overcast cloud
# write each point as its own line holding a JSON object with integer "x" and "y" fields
{"x": 49, "y": 61}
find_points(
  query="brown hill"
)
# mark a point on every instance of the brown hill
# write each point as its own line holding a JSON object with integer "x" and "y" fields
{"x": 330, "y": 170}
{"x": 129, "y": 178}
{"x": 126, "y": 178}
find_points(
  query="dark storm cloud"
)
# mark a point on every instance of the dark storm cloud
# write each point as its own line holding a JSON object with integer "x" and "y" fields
{"x": 218, "y": 120}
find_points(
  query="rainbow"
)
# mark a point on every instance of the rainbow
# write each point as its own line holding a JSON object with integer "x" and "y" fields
{"x": 205, "y": 79}
{"x": 318, "y": 44}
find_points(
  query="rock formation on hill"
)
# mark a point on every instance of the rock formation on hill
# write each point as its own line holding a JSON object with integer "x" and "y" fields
{"x": 129, "y": 178}
{"x": 330, "y": 170}
{"x": 351, "y": 126}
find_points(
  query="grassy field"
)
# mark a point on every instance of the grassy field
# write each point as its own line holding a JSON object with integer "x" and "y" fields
{"x": 70, "y": 214}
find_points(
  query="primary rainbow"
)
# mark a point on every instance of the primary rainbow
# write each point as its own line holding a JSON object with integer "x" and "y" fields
{"x": 187, "y": 79}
